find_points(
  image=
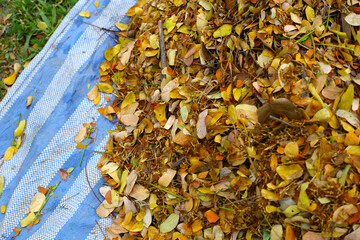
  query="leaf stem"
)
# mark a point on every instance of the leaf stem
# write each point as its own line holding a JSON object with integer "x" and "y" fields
{"x": 49, "y": 193}
{"x": 167, "y": 191}
{"x": 87, "y": 138}
{"x": 332, "y": 45}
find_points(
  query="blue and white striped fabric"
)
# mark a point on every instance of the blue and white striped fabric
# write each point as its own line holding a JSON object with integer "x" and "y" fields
{"x": 58, "y": 77}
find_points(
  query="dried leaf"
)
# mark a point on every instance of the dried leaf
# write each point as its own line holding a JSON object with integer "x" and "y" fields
{"x": 289, "y": 172}
{"x": 201, "y": 126}
{"x": 167, "y": 177}
{"x": 63, "y": 174}
{"x": 170, "y": 223}
{"x": 27, "y": 220}
{"x": 36, "y": 202}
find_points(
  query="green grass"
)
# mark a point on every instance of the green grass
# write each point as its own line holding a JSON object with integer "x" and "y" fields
{"x": 28, "y": 25}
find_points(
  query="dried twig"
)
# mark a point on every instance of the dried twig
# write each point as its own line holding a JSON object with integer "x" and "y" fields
{"x": 162, "y": 49}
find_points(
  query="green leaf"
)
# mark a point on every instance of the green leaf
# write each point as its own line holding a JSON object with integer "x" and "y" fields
{"x": 2, "y": 182}
{"x": 170, "y": 223}
{"x": 223, "y": 31}
{"x": 106, "y": 88}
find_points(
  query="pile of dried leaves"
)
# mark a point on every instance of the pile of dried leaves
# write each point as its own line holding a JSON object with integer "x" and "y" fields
{"x": 248, "y": 130}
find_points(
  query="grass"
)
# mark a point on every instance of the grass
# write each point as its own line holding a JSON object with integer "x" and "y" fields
{"x": 25, "y": 27}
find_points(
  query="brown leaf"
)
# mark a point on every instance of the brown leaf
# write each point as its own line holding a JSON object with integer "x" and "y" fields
{"x": 63, "y": 174}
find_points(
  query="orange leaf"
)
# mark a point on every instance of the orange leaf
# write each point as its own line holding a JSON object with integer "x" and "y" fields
{"x": 42, "y": 190}
{"x": 108, "y": 197}
{"x": 356, "y": 216}
{"x": 17, "y": 231}
{"x": 211, "y": 216}
{"x": 290, "y": 234}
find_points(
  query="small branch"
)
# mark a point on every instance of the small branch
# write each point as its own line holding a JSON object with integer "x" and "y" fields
{"x": 162, "y": 49}
{"x": 167, "y": 191}
{"x": 87, "y": 178}
{"x": 87, "y": 138}
{"x": 278, "y": 119}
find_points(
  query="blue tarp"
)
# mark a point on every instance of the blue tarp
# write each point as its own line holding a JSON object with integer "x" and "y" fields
{"x": 59, "y": 78}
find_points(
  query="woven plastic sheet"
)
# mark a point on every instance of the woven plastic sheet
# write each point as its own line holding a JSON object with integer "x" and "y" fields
{"x": 59, "y": 78}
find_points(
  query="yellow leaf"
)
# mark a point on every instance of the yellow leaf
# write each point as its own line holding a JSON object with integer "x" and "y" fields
{"x": 130, "y": 98}
{"x": 3, "y": 208}
{"x": 96, "y": 3}
{"x": 28, "y": 220}
{"x": 112, "y": 51}
{"x": 160, "y": 114}
{"x": 289, "y": 172}
{"x": 18, "y": 142}
{"x": 85, "y": 14}
{"x": 97, "y": 99}
{"x": 10, "y": 152}
{"x": 232, "y": 114}
{"x": 10, "y": 79}
{"x": 124, "y": 175}
{"x": 178, "y": 3}
{"x": 303, "y": 197}
{"x": 29, "y": 100}
{"x": 106, "y": 88}
{"x": 310, "y": 13}
{"x": 347, "y": 98}
{"x": 20, "y": 128}
{"x": 223, "y": 31}
{"x": 121, "y": 26}
{"x": 291, "y": 149}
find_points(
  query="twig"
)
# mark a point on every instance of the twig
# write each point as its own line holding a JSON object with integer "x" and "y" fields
{"x": 278, "y": 119}
{"x": 162, "y": 49}
{"x": 108, "y": 30}
{"x": 100, "y": 229}
{"x": 167, "y": 191}
{"x": 87, "y": 138}
{"x": 87, "y": 178}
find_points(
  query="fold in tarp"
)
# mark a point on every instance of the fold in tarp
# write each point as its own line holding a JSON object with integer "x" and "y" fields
{"x": 59, "y": 78}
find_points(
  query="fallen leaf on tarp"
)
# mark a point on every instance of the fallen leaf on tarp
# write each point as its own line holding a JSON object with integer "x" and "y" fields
{"x": 28, "y": 220}
{"x": 2, "y": 184}
{"x": 20, "y": 128}
{"x": 93, "y": 93}
{"x": 81, "y": 135}
{"x": 170, "y": 223}
{"x": 9, "y": 153}
{"x": 36, "y": 202}
{"x": 29, "y": 100}
{"x": 106, "y": 88}
{"x": 85, "y": 14}
{"x": 63, "y": 174}
{"x": 3, "y": 209}
{"x": 103, "y": 212}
